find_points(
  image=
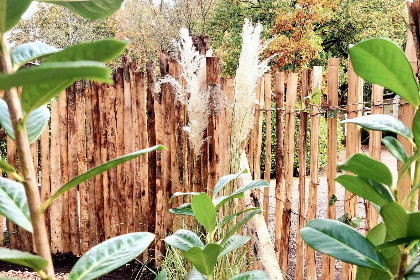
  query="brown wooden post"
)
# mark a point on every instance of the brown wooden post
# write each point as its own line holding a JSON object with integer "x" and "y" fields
{"x": 279, "y": 92}
{"x": 354, "y": 100}
{"x": 302, "y": 150}
{"x": 267, "y": 171}
{"x": 213, "y": 85}
{"x": 90, "y": 154}
{"x": 119, "y": 91}
{"x": 258, "y": 130}
{"x": 128, "y": 147}
{"x": 328, "y": 263}
{"x": 72, "y": 169}
{"x": 63, "y": 128}
{"x": 56, "y": 235}
{"x": 11, "y": 159}
{"x": 289, "y": 141}
{"x": 374, "y": 150}
{"x": 82, "y": 167}
{"x": 99, "y": 198}
{"x": 45, "y": 174}
{"x": 151, "y": 132}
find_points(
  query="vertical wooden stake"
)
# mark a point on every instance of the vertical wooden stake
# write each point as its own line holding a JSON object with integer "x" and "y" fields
{"x": 289, "y": 141}
{"x": 279, "y": 92}
{"x": 45, "y": 175}
{"x": 267, "y": 171}
{"x": 258, "y": 130}
{"x": 11, "y": 159}
{"x": 328, "y": 264}
{"x": 302, "y": 149}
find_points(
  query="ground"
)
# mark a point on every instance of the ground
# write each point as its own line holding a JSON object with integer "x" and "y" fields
{"x": 134, "y": 270}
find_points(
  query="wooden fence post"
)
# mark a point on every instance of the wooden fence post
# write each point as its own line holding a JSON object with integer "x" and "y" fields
{"x": 267, "y": 171}
{"x": 328, "y": 263}
{"x": 289, "y": 141}
{"x": 302, "y": 149}
{"x": 279, "y": 92}
{"x": 374, "y": 150}
{"x": 213, "y": 85}
{"x": 45, "y": 175}
{"x": 353, "y": 138}
{"x": 258, "y": 130}
{"x": 11, "y": 159}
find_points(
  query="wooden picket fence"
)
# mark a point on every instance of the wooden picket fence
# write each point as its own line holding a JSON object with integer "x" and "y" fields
{"x": 93, "y": 123}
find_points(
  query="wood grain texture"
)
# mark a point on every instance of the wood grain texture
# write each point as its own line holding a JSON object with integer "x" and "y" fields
{"x": 267, "y": 171}
{"x": 11, "y": 159}
{"x": 45, "y": 174}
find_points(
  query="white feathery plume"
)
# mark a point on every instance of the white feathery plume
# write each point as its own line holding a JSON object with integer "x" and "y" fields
{"x": 249, "y": 70}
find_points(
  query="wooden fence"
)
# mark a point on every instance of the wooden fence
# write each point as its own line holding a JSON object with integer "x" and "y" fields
{"x": 93, "y": 123}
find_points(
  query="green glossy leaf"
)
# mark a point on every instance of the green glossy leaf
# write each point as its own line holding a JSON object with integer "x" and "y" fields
{"x": 54, "y": 71}
{"x": 204, "y": 211}
{"x": 239, "y": 224}
{"x": 182, "y": 194}
{"x": 110, "y": 255}
{"x": 7, "y": 167}
{"x": 23, "y": 258}
{"x": 383, "y": 123}
{"x": 91, "y": 9}
{"x": 416, "y": 128}
{"x": 399, "y": 223}
{"x": 184, "y": 209}
{"x": 368, "y": 189}
{"x": 98, "y": 170}
{"x": 251, "y": 275}
{"x": 184, "y": 239}
{"x": 163, "y": 275}
{"x": 407, "y": 165}
{"x": 233, "y": 243}
{"x": 25, "y": 53}
{"x": 377, "y": 236}
{"x": 205, "y": 259}
{"x": 395, "y": 148}
{"x": 363, "y": 165}
{"x": 194, "y": 274}
{"x": 235, "y": 215}
{"x": 382, "y": 62}
{"x": 13, "y": 203}
{"x": 342, "y": 242}
{"x": 10, "y": 13}
{"x": 413, "y": 270}
{"x": 226, "y": 179}
{"x": 220, "y": 200}
{"x": 35, "y": 124}
{"x": 397, "y": 242}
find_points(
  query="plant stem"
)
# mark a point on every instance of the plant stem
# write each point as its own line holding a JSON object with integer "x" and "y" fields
{"x": 39, "y": 235}
{"x": 416, "y": 181}
{"x": 403, "y": 264}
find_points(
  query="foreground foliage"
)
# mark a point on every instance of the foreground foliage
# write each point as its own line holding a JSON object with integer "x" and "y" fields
{"x": 24, "y": 118}
{"x": 390, "y": 249}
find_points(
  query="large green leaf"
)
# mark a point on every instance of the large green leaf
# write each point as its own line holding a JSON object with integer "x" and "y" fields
{"x": 110, "y": 255}
{"x": 25, "y": 53}
{"x": 377, "y": 236}
{"x": 204, "y": 211}
{"x": 382, "y": 123}
{"x": 363, "y": 165}
{"x": 251, "y": 275}
{"x": 23, "y": 258}
{"x": 205, "y": 259}
{"x": 233, "y": 243}
{"x": 395, "y": 148}
{"x": 239, "y": 224}
{"x": 194, "y": 274}
{"x": 413, "y": 270}
{"x": 35, "y": 123}
{"x": 54, "y": 71}
{"x": 91, "y": 9}
{"x": 7, "y": 167}
{"x": 342, "y": 242}
{"x": 368, "y": 189}
{"x": 98, "y": 170}
{"x": 400, "y": 224}
{"x": 184, "y": 239}
{"x": 220, "y": 200}
{"x": 184, "y": 209}
{"x": 13, "y": 203}
{"x": 416, "y": 128}
{"x": 226, "y": 179}
{"x": 10, "y": 13}
{"x": 382, "y": 62}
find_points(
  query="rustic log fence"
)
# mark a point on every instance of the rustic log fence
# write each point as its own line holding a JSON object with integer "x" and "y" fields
{"x": 93, "y": 123}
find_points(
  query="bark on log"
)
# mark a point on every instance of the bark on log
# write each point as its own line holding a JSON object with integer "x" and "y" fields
{"x": 257, "y": 229}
